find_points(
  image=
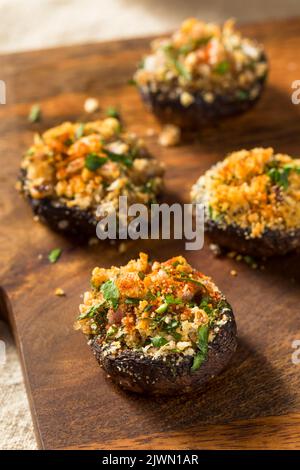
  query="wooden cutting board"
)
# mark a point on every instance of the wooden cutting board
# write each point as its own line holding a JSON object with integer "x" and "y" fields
{"x": 255, "y": 403}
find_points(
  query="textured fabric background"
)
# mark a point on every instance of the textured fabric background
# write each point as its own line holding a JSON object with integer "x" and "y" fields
{"x": 36, "y": 24}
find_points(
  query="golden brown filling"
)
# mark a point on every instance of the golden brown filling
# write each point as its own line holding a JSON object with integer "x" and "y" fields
{"x": 157, "y": 308}
{"x": 255, "y": 190}
{"x": 206, "y": 57}
{"x": 84, "y": 165}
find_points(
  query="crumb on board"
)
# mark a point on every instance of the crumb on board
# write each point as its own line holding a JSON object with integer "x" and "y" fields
{"x": 36, "y": 218}
{"x": 34, "y": 113}
{"x": 91, "y": 105}
{"x": 169, "y": 136}
{"x": 93, "y": 241}
{"x": 215, "y": 249}
{"x": 233, "y": 272}
{"x": 150, "y": 132}
{"x": 59, "y": 292}
{"x": 18, "y": 186}
{"x": 122, "y": 248}
{"x": 40, "y": 256}
{"x": 251, "y": 262}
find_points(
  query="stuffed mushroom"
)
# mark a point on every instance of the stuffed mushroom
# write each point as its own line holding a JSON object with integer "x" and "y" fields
{"x": 202, "y": 73}
{"x": 157, "y": 327}
{"x": 74, "y": 170}
{"x": 252, "y": 202}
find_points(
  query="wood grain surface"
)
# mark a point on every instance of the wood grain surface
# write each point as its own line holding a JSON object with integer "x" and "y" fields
{"x": 255, "y": 403}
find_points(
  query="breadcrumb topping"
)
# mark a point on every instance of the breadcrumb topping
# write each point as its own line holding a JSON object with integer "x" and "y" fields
{"x": 87, "y": 165}
{"x": 256, "y": 190}
{"x": 156, "y": 308}
{"x": 206, "y": 57}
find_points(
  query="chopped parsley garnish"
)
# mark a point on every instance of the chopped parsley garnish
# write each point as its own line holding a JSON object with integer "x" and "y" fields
{"x": 111, "y": 331}
{"x": 68, "y": 142}
{"x": 171, "y": 300}
{"x": 162, "y": 308}
{"x": 172, "y": 56}
{"x": 131, "y": 82}
{"x": 91, "y": 312}
{"x": 202, "y": 345}
{"x": 182, "y": 70}
{"x": 132, "y": 301}
{"x": 35, "y": 113}
{"x": 184, "y": 278}
{"x": 190, "y": 46}
{"x": 112, "y": 112}
{"x": 54, "y": 255}
{"x": 242, "y": 95}
{"x": 280, "y": 176}
{"x": 176, "y": 263}
{"x": 79, "y": 131}
{"x": 222, "y": 67}
{"x": 150, "y": 296}
{"x": 111, "y": 293}
{"x": 126, "y": 159}
{"x": 205, "y": 305}
{"x": 158, "y": 341}
{"x": 94, "y": 161}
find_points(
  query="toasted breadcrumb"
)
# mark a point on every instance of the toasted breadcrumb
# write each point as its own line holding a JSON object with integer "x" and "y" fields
{"x": 59, "y": 292}
{"x": 207, "y": 57}
{"x": 169, "y": 136}
{"x": 256, "y": 190}
{"x": 89, "y": 165}
{"x": 155, "y": 307}
{"x": 91, "y": 105}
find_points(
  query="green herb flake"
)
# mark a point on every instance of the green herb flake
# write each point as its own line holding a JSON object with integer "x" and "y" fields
{"x": 132, "y": 82}
{"x": 111, "y": 111}
{"x": 172, "y": 56}
{"x": 202, "y": 344}
{"x": 204, "y": 305}
{"x": 158, "y": 341}
{"x": 279, "y": 176}
{"x": 94, "y": 161}
{"x": 132, "y": 301}
{"x": 111, "y": 331}
{"x": 182, "y": 70}
{"x": 162, "y": 308}
{"x": 54, "y": 255}
{"x": 222, "y": 67}
{"x": 195, "y": 44}
{"x": 184, "y": 278}
{"x": 91, "y": 312}
{"x": 111, "y": 293}
{"x": 79, "y": 131}
{"x": 242, "y": 95}
{"x": 35, "y": 113}
{"x": 176, "y": 263}
{"x": 126, "y": 159}
{"x": 172, "y": 300}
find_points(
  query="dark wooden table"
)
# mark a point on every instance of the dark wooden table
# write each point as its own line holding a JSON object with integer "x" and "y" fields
{"x": 255, "y": 403}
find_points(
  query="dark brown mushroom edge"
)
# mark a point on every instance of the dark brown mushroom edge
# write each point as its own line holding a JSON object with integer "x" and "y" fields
{"x": 75, "y": 169}
{"x": 252, "y": 202}
{"x": 157, "y": 328}
{"x": 202, "y": 73}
